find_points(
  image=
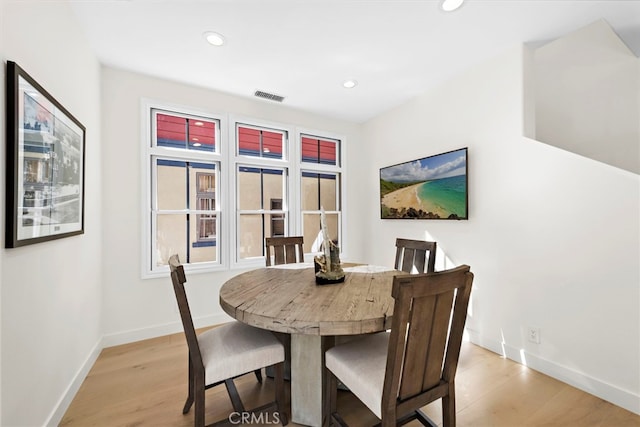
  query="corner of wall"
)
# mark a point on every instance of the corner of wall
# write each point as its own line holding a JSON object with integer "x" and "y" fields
{"x": 65, "y": 400}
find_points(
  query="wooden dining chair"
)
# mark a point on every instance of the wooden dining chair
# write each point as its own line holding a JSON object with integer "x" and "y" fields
{"x": 223, "y": 353}
{"x": 395, "y": 374}
{"x": 411, "y": 256}
{"x": 286, "y": 250}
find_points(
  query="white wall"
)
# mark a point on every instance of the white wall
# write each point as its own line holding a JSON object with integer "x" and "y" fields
{"x": 51, "y": 292}
{"x": 552, "y": 237}
{"x": 136, "y": 308}
{"x": 585, "y": 96}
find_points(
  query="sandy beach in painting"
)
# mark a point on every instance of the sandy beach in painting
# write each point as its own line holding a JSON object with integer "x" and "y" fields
{"x": 407, "y": 197}
{"x": 403, "y": 198}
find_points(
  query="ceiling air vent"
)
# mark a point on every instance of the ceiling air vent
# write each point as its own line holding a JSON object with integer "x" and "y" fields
{"x": 269, "y": 96}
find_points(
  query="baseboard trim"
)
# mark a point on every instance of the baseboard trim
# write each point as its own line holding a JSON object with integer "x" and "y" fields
{"x": 65, "y": 400}
{"x": 111, "y": 340}
{"x": 611, "y": 393}
{"x": 126, "y": 337}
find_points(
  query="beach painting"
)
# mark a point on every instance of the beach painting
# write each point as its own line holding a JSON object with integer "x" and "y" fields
{"x": 433, "y": 187}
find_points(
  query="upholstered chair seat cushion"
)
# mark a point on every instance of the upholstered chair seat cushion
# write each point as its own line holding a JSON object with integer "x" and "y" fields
{"x": 360, "y": 365}
{"x": 234, "y": 349}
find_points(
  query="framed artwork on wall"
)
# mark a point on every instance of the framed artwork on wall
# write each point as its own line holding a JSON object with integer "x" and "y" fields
{"x": 45, "y": 164}
{"x": 433, "y": 187}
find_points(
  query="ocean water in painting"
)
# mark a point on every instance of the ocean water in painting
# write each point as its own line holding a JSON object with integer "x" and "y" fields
{"x": 446, "y": 193}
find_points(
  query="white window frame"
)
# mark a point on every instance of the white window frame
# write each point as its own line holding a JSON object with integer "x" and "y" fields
{"x": 324, "y": 168}
{"x": 237, "y": 160}
{"x": 149, "y": 182}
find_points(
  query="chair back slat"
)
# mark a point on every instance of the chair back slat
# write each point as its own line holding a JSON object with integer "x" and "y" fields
{"x": 458, "y": 320}
{"x": 279, "y": 255}
{"x": 417, "y": 346}
{"x": 438, "y": 341}
{"x": 411, "y": 256}
{"x": 179, "y": 279}
{"x": 426, "y": 343}
{"x": 286, "y": 250}
{"x": 424, "y": 332}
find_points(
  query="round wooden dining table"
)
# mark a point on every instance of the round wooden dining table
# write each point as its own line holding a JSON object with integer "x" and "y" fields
{"x": 285, "y": 298}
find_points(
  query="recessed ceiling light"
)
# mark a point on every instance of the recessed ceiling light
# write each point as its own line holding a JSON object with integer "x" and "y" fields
{"x": 349, "y": 84}
{"x": 215, "y": 39}
{"x": 451, "y": 5}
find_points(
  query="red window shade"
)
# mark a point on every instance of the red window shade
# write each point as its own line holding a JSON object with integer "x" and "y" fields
{"x": 327, "y": 152}
{"x": 202, "y": 132}
{"x": 310, "y": 151}
{"x": 272, "y": 143}
{"x": 260, "y": 143}
{"x": 171, "y": 131}
{"x": 319, "y": 150}
{"x": 248, "y": 141}
{"x": 171, "y": 128}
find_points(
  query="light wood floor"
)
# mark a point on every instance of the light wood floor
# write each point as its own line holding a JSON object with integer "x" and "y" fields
{"x": 144, "y": 384}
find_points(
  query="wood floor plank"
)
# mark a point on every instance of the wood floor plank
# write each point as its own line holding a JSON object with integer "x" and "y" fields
{"x": 145, "y": 384}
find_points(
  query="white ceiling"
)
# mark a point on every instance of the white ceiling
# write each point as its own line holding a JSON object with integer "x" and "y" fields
{"x": 305, "y": 49}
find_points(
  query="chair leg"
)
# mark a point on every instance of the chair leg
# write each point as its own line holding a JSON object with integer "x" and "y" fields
{"x": 280, "y": 399}
{"x": 234, "y": 396}
{"x": 449, "y": 407}
{"x": 258, "y": 373}
{"x": 189, "y": 402}
{"x": 331, "y": 399}
{"x": 388, "y": 421}
{"x": 199, "y": 400}
{"x": 285, "y": 339}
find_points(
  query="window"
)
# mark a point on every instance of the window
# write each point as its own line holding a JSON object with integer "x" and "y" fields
{"x": 262, "y": 187}
{"x": 213, "y": 197}
{"x": 184, "y": 175}
{"x": 320, "y": 189}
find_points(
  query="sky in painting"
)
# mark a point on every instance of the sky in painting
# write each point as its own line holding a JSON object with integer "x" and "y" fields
{"x": 435, "y": 167}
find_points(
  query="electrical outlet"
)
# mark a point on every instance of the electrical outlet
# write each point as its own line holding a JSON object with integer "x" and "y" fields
{"x": 533, "y": 335}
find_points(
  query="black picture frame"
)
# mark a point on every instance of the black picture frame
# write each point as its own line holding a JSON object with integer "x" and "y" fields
{"x": 45, "y": 164}
{"x": 433, "y": 187}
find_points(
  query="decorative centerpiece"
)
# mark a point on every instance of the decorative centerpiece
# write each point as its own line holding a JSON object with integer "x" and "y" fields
{"x": 328, "y": 267}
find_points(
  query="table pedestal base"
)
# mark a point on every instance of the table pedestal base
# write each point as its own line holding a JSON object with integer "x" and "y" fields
{"x": 307, "y": 378}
